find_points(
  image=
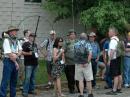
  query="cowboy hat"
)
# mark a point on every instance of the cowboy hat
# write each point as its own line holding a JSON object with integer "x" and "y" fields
{"x": 11, "y": 28}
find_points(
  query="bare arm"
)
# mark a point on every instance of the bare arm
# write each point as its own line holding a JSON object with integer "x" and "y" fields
{"x": 26, "y": 53}
{"x": 89, "y": 57}
{"x": 56, "y": 55}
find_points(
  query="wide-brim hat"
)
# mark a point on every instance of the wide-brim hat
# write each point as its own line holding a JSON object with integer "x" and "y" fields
{"x": 11, "y": 28}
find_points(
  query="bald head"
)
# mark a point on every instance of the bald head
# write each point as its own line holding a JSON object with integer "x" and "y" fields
{"x": 83, "y": 36}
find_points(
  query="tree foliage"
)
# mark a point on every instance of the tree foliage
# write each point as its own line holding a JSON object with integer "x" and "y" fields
{"x": 99, "y": 13}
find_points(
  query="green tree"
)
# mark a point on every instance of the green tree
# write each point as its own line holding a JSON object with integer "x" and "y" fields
{"x": 99, "y": 13}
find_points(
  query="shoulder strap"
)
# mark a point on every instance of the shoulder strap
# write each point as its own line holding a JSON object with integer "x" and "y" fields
{"x": 47, "y": 43}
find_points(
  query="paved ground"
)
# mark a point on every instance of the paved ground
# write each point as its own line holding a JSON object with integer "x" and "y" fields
{"x": 97, "y": 93}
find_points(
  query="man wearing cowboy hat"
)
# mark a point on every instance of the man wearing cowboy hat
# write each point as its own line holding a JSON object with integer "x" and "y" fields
{"x": 12, "y": 50}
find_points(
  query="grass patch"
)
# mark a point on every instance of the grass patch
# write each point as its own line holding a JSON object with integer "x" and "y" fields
{"x": 41, "y": 75}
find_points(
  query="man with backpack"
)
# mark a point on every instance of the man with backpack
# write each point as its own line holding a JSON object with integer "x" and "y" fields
{"x": 114, "y": 61}
{"x": 48, "y": 44}
{"x": 83, "y": 68}
{"x": 12, "y": 50}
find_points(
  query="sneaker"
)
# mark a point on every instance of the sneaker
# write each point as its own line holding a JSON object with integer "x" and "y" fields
{"x": 72, "y": 92}
{"x": 49, "y": 83}
{"x": 32, "y": 92}
{"x": 24, "y": 95}
{"x": 126, "y": 86}
{"x": 111, "y": 93}
{"x": 118, "y": 91}
{"x": 81, "y": 96}
{"x": 21, "y": 87}
{"x": 90, "y": 95}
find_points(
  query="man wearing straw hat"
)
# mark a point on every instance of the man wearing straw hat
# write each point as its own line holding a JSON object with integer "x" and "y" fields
{"x": 12, "y": 50}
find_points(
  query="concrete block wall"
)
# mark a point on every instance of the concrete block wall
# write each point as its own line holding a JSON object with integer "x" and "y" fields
{"x": 25, "y": 15}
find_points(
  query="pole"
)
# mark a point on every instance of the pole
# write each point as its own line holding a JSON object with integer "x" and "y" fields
{"x": 36, "y": 30}
{"x": 73, "y": 18}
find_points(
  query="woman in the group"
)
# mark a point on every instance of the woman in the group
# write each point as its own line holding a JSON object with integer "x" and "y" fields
{"x": 58, "y": 65}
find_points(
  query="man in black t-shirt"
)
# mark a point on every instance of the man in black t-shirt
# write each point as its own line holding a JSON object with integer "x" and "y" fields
{"x": 30, "y": 53}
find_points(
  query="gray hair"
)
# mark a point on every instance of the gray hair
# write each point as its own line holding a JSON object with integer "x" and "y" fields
{"x": 113, "y": 29}
{"x": 83, "y": 36}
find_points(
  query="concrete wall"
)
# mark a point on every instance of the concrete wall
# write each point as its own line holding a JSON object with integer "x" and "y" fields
{"x": 25, "y": 16}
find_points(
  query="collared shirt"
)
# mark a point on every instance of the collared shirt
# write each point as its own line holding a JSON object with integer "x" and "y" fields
{"x": 86, "y": 50}
{"x": 49, "y": 43}
{"x": 9, "y": 47}
{"x": 95, "y": 50}
{"x": 69, "y": 51}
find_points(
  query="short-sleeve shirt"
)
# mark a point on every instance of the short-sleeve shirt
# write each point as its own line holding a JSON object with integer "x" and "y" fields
{"x": 86, "y": 45}
{"x": 49, "y": 43}
{"x": 127, "y": 45}
{"x": 30, "y": 60}
{"x": 9, "y": 47}
{"x": 113, "y": 46}
{"x": 106, "y": 45}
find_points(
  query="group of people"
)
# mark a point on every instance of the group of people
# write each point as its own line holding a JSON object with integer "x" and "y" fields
{"x": 78, "y": 56}
{"x": 18, "y": 55}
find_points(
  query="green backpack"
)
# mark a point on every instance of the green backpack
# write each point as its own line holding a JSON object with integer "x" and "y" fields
{"x": 120, "y": 48}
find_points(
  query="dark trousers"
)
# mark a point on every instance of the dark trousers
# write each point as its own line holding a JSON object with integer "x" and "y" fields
{"x": 108, "y": 77}
{"x": 94, "y": 68}
{"x": 10, "y": 75}
{"x": 70, "y": 74}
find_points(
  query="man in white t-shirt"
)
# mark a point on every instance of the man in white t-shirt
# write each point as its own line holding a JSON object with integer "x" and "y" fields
{"x": 114, "y": 62}
{"x": 12, "y": 50}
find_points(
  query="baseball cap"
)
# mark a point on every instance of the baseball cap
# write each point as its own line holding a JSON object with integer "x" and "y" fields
{"x": 92, "y": 34}
{"x": 52, "y": 32}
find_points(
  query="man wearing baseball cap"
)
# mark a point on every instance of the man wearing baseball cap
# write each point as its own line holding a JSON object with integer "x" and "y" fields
{"x": 12, "y": 50}
{"x": 30, "y": 52}
{"x": 48, "y": 45}
{"x": 95, "y": 56}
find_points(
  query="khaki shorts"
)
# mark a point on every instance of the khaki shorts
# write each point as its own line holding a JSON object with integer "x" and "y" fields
{"x": 82, "y": 73}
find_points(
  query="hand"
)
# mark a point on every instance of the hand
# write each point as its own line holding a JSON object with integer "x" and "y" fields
{"x": 30, "y": 53}
{"x": 108, "y": 63}
{"x": 96, "y": 60}
{"x": 17, "y": 65}
{"x": 62, "y": 50}
{"x": 13, "y": 57}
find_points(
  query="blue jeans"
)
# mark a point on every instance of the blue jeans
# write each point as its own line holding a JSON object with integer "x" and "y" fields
{"x": 29, "y": 82}
{"x": 10, "y": 75}
{"x": 126, "y": 70}
{"x": 108, "y": 77}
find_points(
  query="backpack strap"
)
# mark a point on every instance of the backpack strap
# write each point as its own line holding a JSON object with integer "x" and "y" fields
{"x": 47, "y": 44}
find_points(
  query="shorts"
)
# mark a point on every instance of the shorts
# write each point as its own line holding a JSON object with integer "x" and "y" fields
{"x": 82, "y": 73}
{"x": 49, "y": 67}
{"x": 115, "y": 67}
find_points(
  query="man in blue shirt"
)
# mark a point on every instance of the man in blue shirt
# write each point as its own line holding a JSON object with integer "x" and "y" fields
{"x": 95, "y": 55}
